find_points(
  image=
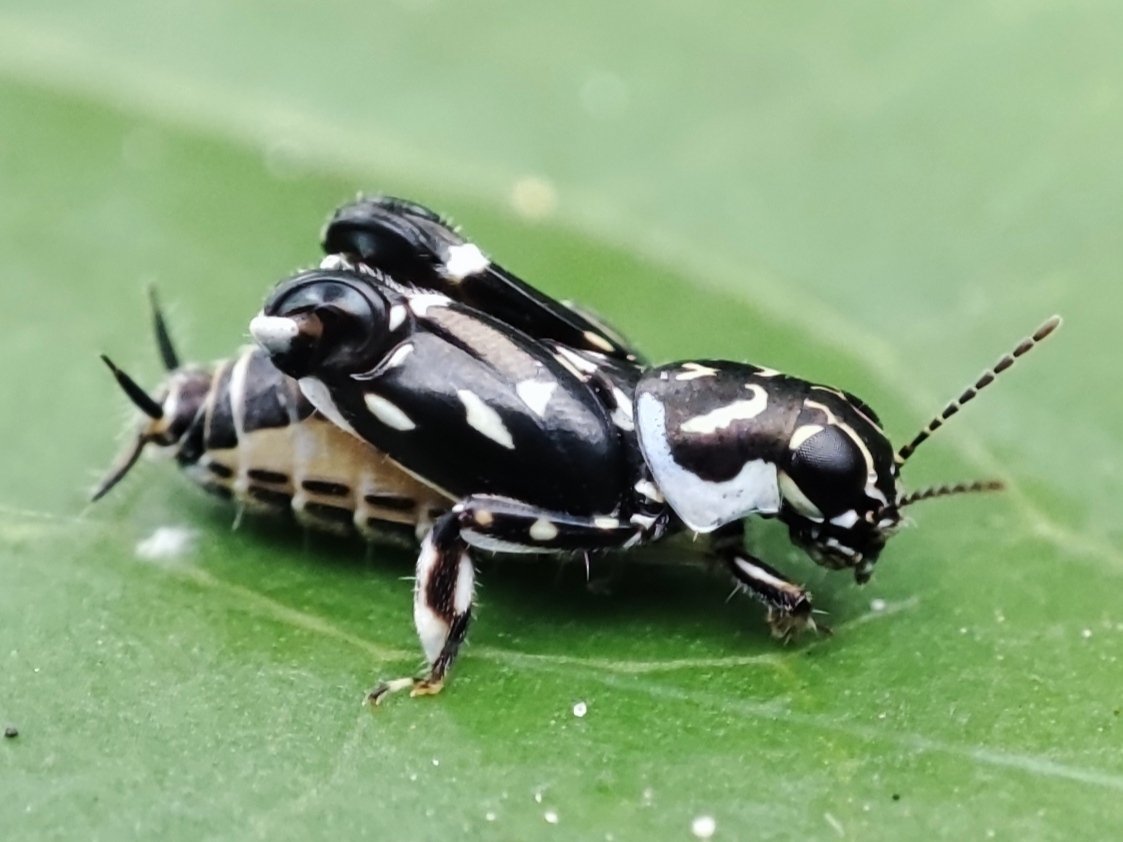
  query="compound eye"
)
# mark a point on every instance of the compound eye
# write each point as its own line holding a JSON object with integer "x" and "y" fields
{"x": 829, "y": 469}
{"x": 317, "y": 322}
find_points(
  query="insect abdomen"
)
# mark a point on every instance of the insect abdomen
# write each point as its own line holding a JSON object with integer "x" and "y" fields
{"x": 265, "y": 447}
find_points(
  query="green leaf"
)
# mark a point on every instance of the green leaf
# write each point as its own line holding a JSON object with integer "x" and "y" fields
{"x": 880, "y": 198}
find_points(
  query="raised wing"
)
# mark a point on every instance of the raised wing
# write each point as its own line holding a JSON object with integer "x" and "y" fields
{"x": 419, "y": 248}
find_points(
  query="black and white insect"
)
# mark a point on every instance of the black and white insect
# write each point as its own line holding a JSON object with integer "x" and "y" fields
{"x": 242, "y": 430}
{"x": 551, "y": 443}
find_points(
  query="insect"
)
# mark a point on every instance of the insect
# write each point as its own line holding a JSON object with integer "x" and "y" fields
{"x": 242, "y": 430}
{"x": 551, "y": 443}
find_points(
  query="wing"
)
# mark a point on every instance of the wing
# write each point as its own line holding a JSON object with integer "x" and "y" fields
{"x": 419, "y": 248}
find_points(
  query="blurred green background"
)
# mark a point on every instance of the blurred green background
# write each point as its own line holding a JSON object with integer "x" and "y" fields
{"x": 880, "y": 196}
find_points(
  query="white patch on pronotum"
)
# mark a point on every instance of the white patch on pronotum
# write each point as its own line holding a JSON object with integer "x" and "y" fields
{"x": 274, "y": 333}
{"x": 396, "y": 317}
{"x": 420, "y": 302}
{"x": 485, "y": 420}
{"x": 703, "y": 505}
{"x": 692, "y": 371}
{"x": 722, "y": 417}
{"x": 464, "y": 260}
{"x": 167, "y": 542}
{"x": 536, "y": 394}
{"x": 388, "y": 413}
{"x": 543, "y": 530}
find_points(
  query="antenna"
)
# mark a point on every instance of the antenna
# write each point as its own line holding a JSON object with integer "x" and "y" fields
{"x": 163, "y": 338}
{"x": 985, "y": 379}
{"x": 949, "y": 490}
{"x": 144, "y": 402}
{"x": 120, "y": 467}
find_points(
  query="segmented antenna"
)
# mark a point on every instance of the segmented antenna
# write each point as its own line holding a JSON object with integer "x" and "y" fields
{"x": 163, "y": 338}
{"x": 985, "y": 379}
{"x": 120, "y": 467}
{"x": 949, "y": 490}
{"x": 144, "y": 402}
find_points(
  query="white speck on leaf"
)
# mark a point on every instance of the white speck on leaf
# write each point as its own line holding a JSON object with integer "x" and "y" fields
{"x": 580, "y": 709}
{"x": 703, "y": 827}
{"x": 1087, "y": 633}
{"x": 550, "y": 816}
{"x": 878, "y": 605}
{"x": 534, "y": 197}
{"x": 167, "y": 542}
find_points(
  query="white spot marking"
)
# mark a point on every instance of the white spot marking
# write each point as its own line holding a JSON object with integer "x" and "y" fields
{"x": 399, "y": 355}
{"x": 794, "y": 495}
{"x": 575, "y": 360}
{"x": 722, "y": 417}
{"x": 703, "y": 827}
{"x": 649, "y": 490}
{"x": 274, "y": 333}
{"x": 465, "y": 586}
{"x": 334, "y": 262}
{"x": 550, "y": 816}
{"x": 802, "y": 434}
{"x": 692, "y": 371}
{"x": 622, "y": 415}
{"x": 491, "y": 544}
{"x": 238, "y": 394}
{"x": 605, "y": 522}
{"x": 485, "y": 420}
{"x": 759, "y": 574}
{"x": 766, "y": 372}
{"x": 396, "y": 317}
{"x": 319, "y": 396}
{"x": 644, "y": 522}
{"x": 536, "y": 394}
{"x": 580, "y": 709}
{"x": 420, "y": 302}
{"x": 598, "y": 341}
{"x": 165, "y": 543}
{"x": 464, "y": 260}
{"x": 543, "y": 530}
{"x": 388, "y": 413}
{"x": 431, "y": 629}
{"x": 846, "y": 520}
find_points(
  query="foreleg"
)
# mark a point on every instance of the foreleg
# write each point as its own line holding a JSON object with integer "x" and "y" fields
{"x": 788, "y": 604}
